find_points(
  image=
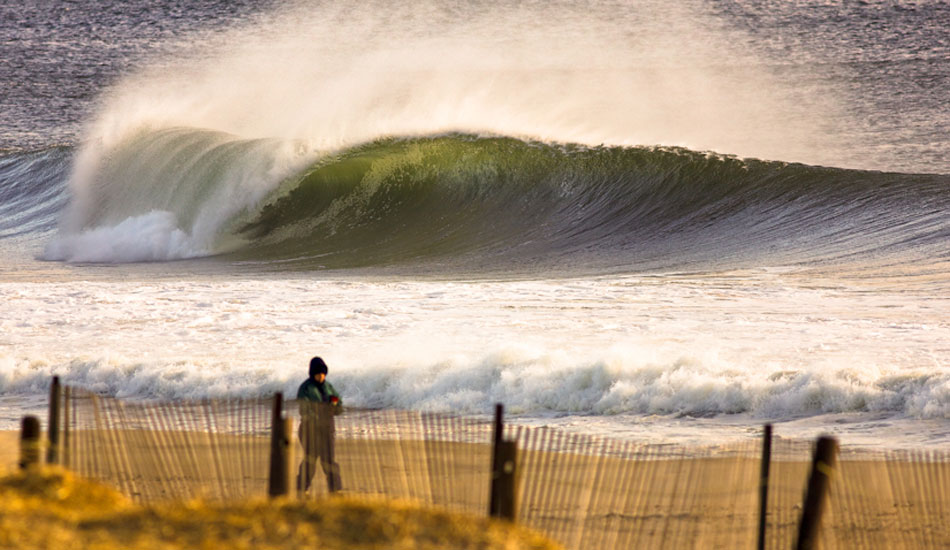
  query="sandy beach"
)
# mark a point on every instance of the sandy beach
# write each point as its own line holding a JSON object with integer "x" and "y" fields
{"x": 581, "y": 500}
{"x": 9, "y": 449}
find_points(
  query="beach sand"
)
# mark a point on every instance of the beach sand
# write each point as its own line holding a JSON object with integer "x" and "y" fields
{"x": 9, "y": 449}
{"x": 579, "y": 500}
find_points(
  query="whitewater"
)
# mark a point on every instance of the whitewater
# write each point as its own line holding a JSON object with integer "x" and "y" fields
{"x": 669, "y": 223}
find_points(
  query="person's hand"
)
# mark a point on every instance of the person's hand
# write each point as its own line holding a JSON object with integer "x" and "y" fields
{"x": 334, "y": 400}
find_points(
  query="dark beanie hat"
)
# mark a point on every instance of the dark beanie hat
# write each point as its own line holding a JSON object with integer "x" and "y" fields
{"x": 317, "y": 366}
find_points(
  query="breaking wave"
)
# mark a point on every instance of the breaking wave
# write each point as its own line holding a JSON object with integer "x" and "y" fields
{"x": 528, "y": 383}
{"x": 468, "y": 202}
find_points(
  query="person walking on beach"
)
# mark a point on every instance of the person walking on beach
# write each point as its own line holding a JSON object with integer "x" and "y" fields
{"x": 319, "y": 403}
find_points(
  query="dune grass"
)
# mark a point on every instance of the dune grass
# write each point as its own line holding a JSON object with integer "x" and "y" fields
{"x": 51, "y": 508}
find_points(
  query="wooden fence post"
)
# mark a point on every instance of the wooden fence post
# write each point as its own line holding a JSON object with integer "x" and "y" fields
{"x": 29, "y": 442}
{"x": 279, "y": 480}
{"x": 505, "y": 480}
{"x": 823, "y": 465}
{"x": 502, "y": 502}
{"x": 52, "y": 427}
{"x": 65, "y": 458}
{"x": 764, "y": 483}
{"x": 288, "y": 453}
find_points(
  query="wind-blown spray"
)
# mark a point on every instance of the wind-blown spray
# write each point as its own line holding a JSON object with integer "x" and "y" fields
{"x": 324, "y": 78}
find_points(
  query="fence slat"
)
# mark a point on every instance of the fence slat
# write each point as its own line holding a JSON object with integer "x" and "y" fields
{"x": 52, "y": 427}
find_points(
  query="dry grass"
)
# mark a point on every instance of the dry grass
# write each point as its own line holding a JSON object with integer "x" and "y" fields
{"x": 53, "y": 509}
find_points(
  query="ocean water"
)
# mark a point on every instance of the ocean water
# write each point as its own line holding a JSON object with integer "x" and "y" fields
{"x": 661, "y": 221}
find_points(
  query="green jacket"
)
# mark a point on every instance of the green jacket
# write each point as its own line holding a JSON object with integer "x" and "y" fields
{"x": 310, "y": 391}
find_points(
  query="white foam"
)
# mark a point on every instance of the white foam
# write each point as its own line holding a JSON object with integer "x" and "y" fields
{"x": 147, "y": 238}
{"x": 686, "y": 350}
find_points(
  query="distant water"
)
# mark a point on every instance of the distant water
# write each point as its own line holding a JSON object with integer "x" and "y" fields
{"x": 667, "y": 221}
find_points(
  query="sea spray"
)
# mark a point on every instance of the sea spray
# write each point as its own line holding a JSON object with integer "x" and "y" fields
{"x": 346, "y": 73}
{"x": 330, "y": 77}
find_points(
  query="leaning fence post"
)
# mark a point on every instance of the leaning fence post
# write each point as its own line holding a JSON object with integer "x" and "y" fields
{"x": 504, "y": 468}
{"x": 822, "y": 467}
{"x": 52, "y": 431}
{"x": 279, "y": 480}
{"x": 764, "y": 483}
{"x": 29, "y": 442}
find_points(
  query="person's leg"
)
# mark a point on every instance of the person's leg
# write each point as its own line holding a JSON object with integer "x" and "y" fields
{"x": 308, "y": 466}
{"x": 328, "y": 460}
